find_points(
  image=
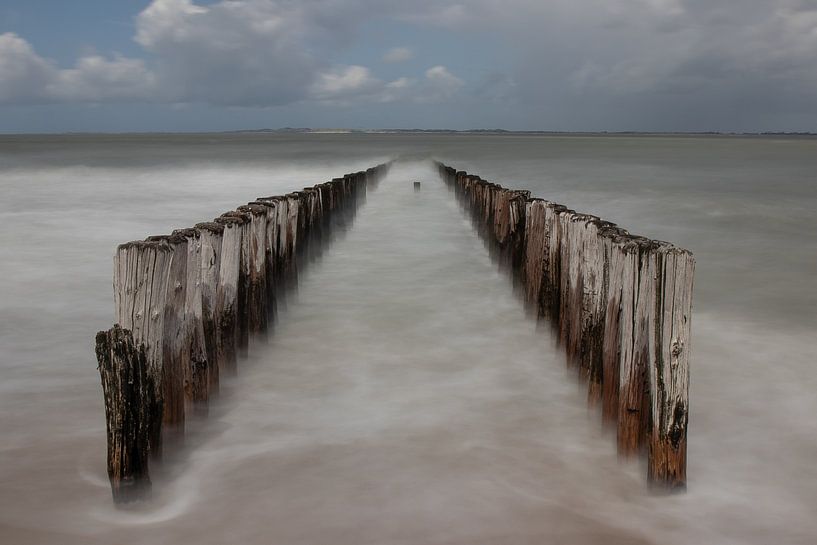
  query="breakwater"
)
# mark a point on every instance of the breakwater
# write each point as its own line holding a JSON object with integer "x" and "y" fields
{"x": 620, "y": 306}
{"x": 189, "y": 304}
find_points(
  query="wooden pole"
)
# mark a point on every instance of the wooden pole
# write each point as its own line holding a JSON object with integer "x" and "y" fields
{"x": 243, "y": 285}
{"x": 270, "y": 256}
{"x": 175, "y": 339}
{"x": 257, "y": 279}
{"x": 196, "y": 372}
{"x": 227, "y": 296}
{"x": 620, "y": 304}
{"x": 211, "y": 235}
{"x": 131, "y": 409}
{"x": 669, "y": 372}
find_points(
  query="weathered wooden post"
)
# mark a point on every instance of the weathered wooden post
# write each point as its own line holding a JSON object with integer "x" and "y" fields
{"x": 210, "y": 237}
{"x": 227, "y": 292}
{"x": 270, "y": 255}
{"x": 620, "y": 305}
{"x": 595, "y": 282}
{"x": 243, "y": 286}
{"x": 636, "y": 338}
{"x": 175, "y": 339}
{"x": 257, "y": 280}
{"x": 196, "y": 379}
{"x": 669, "y": 372}
{"x": 131, "y": 409}
{"x": 614, "y": 241}
{"x": 141, "y": 274}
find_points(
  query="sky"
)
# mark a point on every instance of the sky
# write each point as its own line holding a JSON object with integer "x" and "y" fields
{"x": 557, "y": 65}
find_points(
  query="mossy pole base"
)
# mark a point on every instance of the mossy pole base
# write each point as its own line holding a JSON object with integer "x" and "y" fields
{"x": 131, "y": 412}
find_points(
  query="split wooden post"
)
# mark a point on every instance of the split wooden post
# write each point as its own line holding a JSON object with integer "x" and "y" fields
{"x": 131, "y": 409}
{"x": 210, "y": 237}
{"x": 669, "y": 372}
{"x": 227, "y": 296}
{"x": 270, "y": 255}
{"x": 243, "y": 287}
{"x": 196, "y": 364}
{"x": 614, "y": 241}
{"x": 257, "y": 280}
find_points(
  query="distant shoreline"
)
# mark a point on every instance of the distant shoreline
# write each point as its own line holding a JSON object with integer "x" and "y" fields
{"x": 490, "y": 132}
{"x": 514, "y": 132}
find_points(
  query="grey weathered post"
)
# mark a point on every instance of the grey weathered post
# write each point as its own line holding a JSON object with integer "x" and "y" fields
{"x": 196, "y": 366}
{"x": 175, "y": 339}
{"x": 669, "y": 372}
{"x": 257, "y": 279}
{"x": 227, "y": 292}
{"x": 141, "y": 274}
{"x": 243, "y": 287}
{"x": 270, "y": 255}
{"x": 210, "y": 237}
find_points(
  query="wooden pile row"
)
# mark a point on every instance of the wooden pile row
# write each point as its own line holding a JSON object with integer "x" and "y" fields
{"x": 620, "y": 304}
{"x": 187, "y": 305}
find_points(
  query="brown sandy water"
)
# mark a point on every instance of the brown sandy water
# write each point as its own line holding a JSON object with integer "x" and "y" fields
{"x": 405, "y": 397}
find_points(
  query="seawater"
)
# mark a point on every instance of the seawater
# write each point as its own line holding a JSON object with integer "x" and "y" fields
{"x": 405, "y": 396}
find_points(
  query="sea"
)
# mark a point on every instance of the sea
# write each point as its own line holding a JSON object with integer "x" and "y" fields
{"x": 405, "y": 396}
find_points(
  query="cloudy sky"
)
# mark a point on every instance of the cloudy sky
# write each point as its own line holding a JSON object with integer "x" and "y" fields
{"x": 655, "y": 65}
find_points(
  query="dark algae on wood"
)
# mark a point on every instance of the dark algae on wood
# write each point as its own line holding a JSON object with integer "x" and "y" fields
{"x": 187, "y": 306}
{"x": 620, "y": 306}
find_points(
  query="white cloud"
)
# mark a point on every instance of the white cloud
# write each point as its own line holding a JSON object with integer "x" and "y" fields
{"x": 25, "y": 77}
{"x": 232, "y": 52}
{"x": 440, "y": 84}
{"x": 398, "y": 54}
{"x": 23, "y": 74}
{"x": 345, "y": 82}
{"x": 97, "y": 79}
{"x": 244, "y": 53}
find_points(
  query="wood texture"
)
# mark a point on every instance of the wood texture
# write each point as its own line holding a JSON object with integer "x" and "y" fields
{"x": 186, "y": 305}
{"x": 141, "y": 275}
{"x": 131, "y": 409}
{"x": 620, "y": 307}
{"x": 175, "y": 342}
{"x": 228, "y": 296}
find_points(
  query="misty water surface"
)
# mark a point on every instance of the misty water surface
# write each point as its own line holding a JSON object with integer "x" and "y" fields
{"x": 405, "y": 396}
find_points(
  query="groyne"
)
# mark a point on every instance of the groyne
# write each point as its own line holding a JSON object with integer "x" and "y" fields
{"x": 620, "y": 306}
{"x": 188, "y": 306}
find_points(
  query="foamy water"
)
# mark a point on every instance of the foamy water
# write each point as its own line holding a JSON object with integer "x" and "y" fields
{"x": 405, "y": 396}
